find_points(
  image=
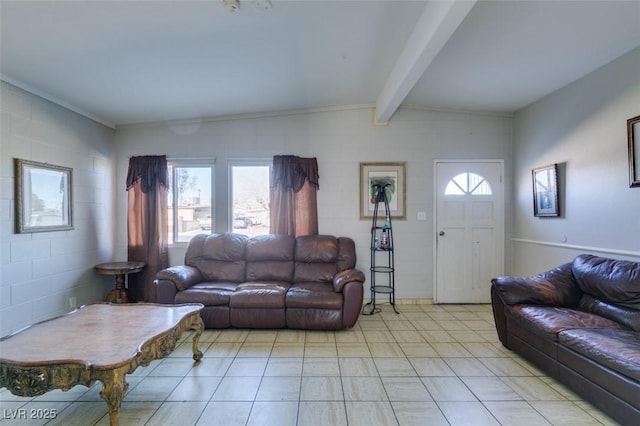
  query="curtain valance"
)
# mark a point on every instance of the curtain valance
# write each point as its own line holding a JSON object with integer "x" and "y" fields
{"x": 150, "y": 169}
{"x": 290, "y": 172}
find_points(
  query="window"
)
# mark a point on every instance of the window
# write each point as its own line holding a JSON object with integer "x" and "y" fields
{"x": 468, "y": 184}
{"x": 189, "y": 199}
{"x": 249, "y": 201}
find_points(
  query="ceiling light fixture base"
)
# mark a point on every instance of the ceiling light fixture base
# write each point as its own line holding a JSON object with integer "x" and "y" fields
{"x": 231, "y": 6}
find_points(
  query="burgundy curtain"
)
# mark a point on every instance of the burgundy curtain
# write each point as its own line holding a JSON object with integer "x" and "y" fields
{"x": 147, "y": 223}
{"x": 294, "y": 205}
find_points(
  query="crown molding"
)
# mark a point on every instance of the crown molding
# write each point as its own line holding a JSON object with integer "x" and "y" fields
{"x": 39, "y": 93}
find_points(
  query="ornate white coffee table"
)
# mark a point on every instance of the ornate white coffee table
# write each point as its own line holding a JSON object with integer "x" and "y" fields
{"x": 101, "y": 342}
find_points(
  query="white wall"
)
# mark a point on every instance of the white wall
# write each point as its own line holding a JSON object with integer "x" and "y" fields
{"x": 340, "y": 139}
{"x": 39, "y": 272}
{"x": 582, "y": 127}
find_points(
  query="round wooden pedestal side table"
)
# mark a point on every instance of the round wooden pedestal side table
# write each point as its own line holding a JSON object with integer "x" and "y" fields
{"x": 120, "y": 270}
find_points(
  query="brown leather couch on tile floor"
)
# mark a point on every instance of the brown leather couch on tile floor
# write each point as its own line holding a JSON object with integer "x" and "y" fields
{"x": 268, "y": 281}
{"x": 580, "y": 323}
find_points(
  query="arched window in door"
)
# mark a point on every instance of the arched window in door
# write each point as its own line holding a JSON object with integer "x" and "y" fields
{"x": 468, "y": 184}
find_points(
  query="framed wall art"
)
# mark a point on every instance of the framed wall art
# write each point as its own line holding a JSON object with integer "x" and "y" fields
{"x": 633, "y": 132}
{"x": 43, "y": 197}
{"x": 394, "y": 176}
{"x": 545, "y": 191}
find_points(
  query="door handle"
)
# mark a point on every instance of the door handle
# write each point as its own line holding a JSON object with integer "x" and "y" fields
{"x": 441, "y": 233}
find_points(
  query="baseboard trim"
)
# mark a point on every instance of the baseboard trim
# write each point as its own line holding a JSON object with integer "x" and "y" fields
{"x": 404, "y": 302}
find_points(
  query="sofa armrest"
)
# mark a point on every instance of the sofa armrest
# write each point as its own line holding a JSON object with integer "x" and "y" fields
{"x": 181, "y": 276}
{"x": 165, "y": 291}
{"x": 556, "y": 287}
{"x": 499, "y": 316}
{"x": 348, "y": 275}
{"x": 352, "y": 294}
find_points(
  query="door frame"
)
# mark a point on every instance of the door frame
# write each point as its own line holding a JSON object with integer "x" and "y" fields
{"x": 435, "y": 213}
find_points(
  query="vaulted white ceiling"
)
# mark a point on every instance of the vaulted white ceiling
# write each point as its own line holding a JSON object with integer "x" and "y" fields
{"x": 126, "y": 62}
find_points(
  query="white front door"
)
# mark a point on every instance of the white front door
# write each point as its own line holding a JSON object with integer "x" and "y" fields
{"x": 469, "y": 229}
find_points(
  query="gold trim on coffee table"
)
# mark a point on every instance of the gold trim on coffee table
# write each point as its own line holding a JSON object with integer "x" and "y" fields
{"x": 99, "y": 342}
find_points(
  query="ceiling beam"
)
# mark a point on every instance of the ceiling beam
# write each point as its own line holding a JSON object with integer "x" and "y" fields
{"x": 436, "y": 25}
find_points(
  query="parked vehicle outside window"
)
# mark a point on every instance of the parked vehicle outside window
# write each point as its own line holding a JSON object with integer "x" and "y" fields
{"x": 189, "y": 199}
{"x": 205, "y": 224}
{"x": 250, "y": 197}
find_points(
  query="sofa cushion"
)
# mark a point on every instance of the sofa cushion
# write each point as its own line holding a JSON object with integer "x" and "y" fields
{"x": 313, "y": 295}
{"x": 219, "y": 257}
{"x": 314, "y": 272}
{"x": 264, "y": 295}
{"x": 270, "y": 258}
{"x": 207, "y": 293}
{"x": 214, "y": 270}
{"x": 316, "y": 249}
{"x": 619, "y": 350}
{"x": 315, "y": 259}
{"x": 269, "y": 271}
{"x": 625, "y": 316}
{"x": 277, "y": 247}
{"x": 552, "y": 320}
{"x": 610, "y": 280}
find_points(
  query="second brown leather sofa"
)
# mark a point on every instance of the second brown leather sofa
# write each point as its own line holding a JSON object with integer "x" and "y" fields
{"x": 580, "y": 323}
{"x": 268, "y": 281}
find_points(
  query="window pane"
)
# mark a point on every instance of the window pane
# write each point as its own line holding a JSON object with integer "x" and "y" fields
{"x": 478, "y": 185}
{"x": 453, "y": 188}
{"x": 250, "y": 199}
{"x": 468, "y": 183}
{"x": 189, "y": 202}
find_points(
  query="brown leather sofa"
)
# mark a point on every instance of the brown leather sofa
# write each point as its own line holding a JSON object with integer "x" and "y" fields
{"x": 580, "y": 323}
{"x": 268, "y": 281}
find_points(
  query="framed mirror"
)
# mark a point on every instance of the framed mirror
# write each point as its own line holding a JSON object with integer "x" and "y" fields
{"x": 633, "y": 131}
{"x": 545, "y": 191}
{"x": 43, "y": 197}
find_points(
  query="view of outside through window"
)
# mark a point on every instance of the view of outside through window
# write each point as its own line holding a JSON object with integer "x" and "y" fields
{"x": 250, "y": 199}
{"x": 189, "y": 202}
{"x": 468, "y": 183}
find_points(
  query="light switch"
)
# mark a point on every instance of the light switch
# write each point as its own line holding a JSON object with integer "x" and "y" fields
{"x": 422, "y": 215}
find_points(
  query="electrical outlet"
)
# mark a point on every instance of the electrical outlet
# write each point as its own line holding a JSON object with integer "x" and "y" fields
{"x": 72, "y": 302}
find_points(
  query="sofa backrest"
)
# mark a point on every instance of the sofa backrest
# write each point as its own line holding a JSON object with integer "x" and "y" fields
{"x": 611, "y": 288}
{"x": 609, "y": 280}
{"x": 316, "y": 258}
{"x": 270, "y": 258}
{"x": 346, "y": 253}
{"x": 237, "y": 258}
{"x": 219, "y": 257}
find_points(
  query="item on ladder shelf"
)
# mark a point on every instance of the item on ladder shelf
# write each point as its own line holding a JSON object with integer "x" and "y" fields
{"x": 382, "y": 253}
{"x": 384, "y": 240}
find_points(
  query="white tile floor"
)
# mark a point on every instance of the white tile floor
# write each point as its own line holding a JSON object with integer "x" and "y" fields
{"x": 430, "y": 365}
